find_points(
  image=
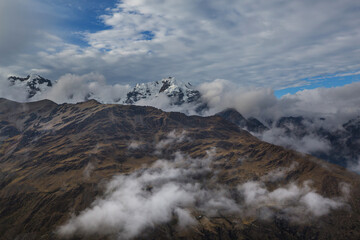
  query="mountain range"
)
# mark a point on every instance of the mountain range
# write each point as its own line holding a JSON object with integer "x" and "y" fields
{"x": 178, "y": 92}
{"x": 339, "y": 145}
{"x": 110, "y": 171}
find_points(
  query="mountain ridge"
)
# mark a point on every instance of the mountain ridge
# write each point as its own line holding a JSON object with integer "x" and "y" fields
{"x": 61, "y": 155}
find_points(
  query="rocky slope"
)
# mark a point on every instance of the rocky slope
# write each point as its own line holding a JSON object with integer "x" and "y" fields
{"x": 339, "y": 145}
{"x": 56, "y": 160}
{"x": 251, "y": 124}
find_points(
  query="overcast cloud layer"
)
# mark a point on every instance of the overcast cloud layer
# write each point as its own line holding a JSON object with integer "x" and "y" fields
{"x": 261, "y": 42}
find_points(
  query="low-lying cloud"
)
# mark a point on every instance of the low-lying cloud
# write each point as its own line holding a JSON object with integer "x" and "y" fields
{"x": 306, "y": 144}
{"x": 72, "y": 88}
{"x": 172, "y": 137}
{"x": 135, "y": 145}
{"x": 176, "y": 188}
{"x": 279, "y": 173}
{"x": 354, "y": 166}
{"x": 151, "y": 196}
{"x": 295, "y": 202}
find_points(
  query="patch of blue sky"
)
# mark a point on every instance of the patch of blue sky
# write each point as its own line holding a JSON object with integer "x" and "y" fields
{"x": 147, "y": 35}
{"x": 77, "y": 17}
{"x": 327, "y": 81}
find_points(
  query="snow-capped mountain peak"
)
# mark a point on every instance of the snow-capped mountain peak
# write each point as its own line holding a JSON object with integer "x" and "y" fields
{"x": 169, "y": 89}
{"x": 178, "y": 91}
{"x": 33, "y": 83}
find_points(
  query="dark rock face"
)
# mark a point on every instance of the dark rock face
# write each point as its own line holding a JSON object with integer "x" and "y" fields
{"x": 254, "y": 125}
{"x": 251, "y": 124}
{"x": 233, "y": 116}
{"x": 345, "y": 142}
{"x": 353, "y": 126}
{"x": 9, "y": 131}
{"x": 166, "y": 85}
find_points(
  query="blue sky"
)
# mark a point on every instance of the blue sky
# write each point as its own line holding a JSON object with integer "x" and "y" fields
{"x": 287, "y": 46}
{"x": 326, "y": 81}
{"x": 80, "y": 16}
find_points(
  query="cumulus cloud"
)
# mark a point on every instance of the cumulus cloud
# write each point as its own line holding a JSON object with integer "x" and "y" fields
{"x": 176, "y": 188}
{"x": 336, "y": 105}
{"x": 221, "y": 94}
{"x": 78, "y": 88}
{"x": 10, "y": 92}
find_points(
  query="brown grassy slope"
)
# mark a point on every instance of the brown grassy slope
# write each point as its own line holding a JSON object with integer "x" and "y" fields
{"x": 46, "y": 148}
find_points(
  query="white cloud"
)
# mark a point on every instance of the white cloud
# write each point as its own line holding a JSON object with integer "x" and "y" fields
{"x": 135, "y": 145}
{"x": 298, "y": 203}
{"x": 74, "y": 88}
{"x": 172, "y": 137}
{"x": 279, "y": 173}
{"x": 10, "y": 92}
{"x": 337, "y": 104}
{"x": 221, "y": 94}
{"x": 306, "y": 144}
{"x": 149, "y": 197}
{"x": 176, "y": 187}
{"x": 341, "y": 102}
{"x": 88, "y": 170}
